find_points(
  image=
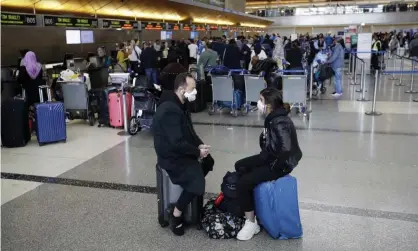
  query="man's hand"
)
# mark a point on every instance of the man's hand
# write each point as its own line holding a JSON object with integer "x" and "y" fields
{"x": 204, "y": 153}
{"x": 203, "y": 146}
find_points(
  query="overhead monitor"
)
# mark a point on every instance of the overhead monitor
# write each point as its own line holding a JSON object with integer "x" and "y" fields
{"x": 73, "y": 36}
{"x": 163, "y": 35}
{"x": 87, "y": 37}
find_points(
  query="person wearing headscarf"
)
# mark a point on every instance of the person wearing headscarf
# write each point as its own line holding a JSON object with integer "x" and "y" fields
{"x": 278, "y": 52}
{"x": 30, "y": 77}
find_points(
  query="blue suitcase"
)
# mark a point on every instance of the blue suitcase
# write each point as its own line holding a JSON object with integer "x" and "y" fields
{"x": 50, "y": 120}
{"x": 277, "y": 208}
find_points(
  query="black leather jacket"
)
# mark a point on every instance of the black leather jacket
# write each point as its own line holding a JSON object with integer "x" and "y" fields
{"x": 279, "y": 142}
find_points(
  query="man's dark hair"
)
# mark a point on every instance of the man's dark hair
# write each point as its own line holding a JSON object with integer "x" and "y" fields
{"x": 181, "y": 80}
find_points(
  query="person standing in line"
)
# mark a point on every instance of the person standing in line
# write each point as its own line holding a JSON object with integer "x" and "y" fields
{"x": 337, "y": 63}
{"x": 149, "y": 60}
{"x": 393, "y": 46}
{"x": 134, "y": 56}
{"x": 192, "y": 52}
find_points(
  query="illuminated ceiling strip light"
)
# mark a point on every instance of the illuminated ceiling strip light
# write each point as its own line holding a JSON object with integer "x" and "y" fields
{"x": 252, "y": 25}
{"x": 210, "y": 21}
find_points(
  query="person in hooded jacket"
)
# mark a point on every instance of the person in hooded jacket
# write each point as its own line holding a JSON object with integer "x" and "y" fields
{"x": 179, "y": 149}
{"x": 280, "y": 154}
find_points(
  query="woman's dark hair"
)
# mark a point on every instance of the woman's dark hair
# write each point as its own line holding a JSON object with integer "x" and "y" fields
{"x": 121, "y": 45}
{"x": 257, "y": 49}
{"x": 232, "y": 41}
{"x": 274, "y": 98}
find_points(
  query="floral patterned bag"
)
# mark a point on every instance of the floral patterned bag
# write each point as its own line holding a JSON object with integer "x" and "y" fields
{"x": 219, "y": 224}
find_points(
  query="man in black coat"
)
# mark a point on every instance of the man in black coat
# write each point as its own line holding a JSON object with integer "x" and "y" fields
{"x": 179, "y": 150}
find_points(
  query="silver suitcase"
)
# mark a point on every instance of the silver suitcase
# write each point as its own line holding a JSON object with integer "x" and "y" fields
{"x": 168, "y": 193}
{"x": 75, "y": 95}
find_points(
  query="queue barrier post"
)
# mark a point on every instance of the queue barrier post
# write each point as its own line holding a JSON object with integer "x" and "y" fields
{"x": 394, "y": 68}
{"x": 354, "y": 76}
{"x": 349, "y": 63}
{"x": 373, "y": 112}
{"x": 363, "y": 81}
{"x": 401, "y": 76}
{"x": 361, "y": 77}
{"x": 125, "y": 112}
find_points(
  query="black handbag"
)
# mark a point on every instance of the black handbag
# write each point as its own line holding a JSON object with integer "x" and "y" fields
{"x": 325, "y": 72}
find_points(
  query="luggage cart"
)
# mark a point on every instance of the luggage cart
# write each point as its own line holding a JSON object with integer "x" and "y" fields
{"x": 76, "y": 101}
{"x": 253, "y": 86}
{"x": 295, "y": 90}
{"x": 224, "y": 94}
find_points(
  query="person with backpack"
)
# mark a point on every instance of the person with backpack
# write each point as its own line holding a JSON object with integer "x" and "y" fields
{"x": 280, "y": 154}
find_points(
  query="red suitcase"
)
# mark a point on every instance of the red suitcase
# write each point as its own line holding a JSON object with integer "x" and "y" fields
{"x": 116, "y": 108}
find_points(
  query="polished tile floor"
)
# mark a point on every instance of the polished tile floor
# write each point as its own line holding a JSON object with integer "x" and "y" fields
{"x": 356, "y": 181}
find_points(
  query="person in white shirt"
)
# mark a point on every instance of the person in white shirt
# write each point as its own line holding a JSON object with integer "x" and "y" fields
{"x": 134, "y": 57}
{"x": 192, "y": 52}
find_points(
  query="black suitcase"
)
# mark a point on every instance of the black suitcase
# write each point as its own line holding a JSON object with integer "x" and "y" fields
{"x": 168, "y": 193}
{"x": 15, "y": 130}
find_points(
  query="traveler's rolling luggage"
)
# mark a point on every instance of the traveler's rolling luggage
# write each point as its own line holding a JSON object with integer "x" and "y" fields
{"x": 277, "y": 208}
{"x": 168, "y": 193}
{"x": 99, "y": 103}
{"x": 116, "y": 108}
{"x": 15, "y": 130}
{"x": 50, "y": 119}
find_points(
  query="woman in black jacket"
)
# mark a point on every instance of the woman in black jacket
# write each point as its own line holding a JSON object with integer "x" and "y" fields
{"x": 280, "y": 153}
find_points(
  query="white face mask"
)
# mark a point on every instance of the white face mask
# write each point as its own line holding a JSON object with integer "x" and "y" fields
{"x": 261, "y": 107}
{"x": 191, "y": 96}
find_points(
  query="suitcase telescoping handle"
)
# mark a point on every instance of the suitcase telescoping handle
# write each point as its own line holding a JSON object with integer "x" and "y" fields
{"x": 41, "y": 93}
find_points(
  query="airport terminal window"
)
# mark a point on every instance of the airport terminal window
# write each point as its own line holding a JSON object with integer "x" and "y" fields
{"x": 333, "y": 10}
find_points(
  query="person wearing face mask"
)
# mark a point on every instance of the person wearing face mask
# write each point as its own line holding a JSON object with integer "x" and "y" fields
{"x": 280, "y": 153}
{"x": 179, "y": 149}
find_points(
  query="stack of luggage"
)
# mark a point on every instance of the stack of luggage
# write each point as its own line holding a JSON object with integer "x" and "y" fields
{"x": 276, "y": 205}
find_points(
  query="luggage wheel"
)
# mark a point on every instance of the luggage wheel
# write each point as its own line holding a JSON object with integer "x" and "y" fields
{"x": 212, "y": 110}
{"x": 133, "y": 126}
{"x": 163, "y": 223}
{"x": 91, "y": 120}
{"x": 323, "y": 90}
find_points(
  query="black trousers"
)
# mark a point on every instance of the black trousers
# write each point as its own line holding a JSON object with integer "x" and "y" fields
{"x": 254, "y": 170}
{"x": 186, "y": 197}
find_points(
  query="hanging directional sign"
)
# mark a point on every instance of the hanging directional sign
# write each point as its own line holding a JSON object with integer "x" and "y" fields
{"x": 18, "y": 19}
{"x": 70, "y": 22}
{"x": 173, "y": 26}
{"x": 153, "y": 26}
{"x": 120, "y": 24}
